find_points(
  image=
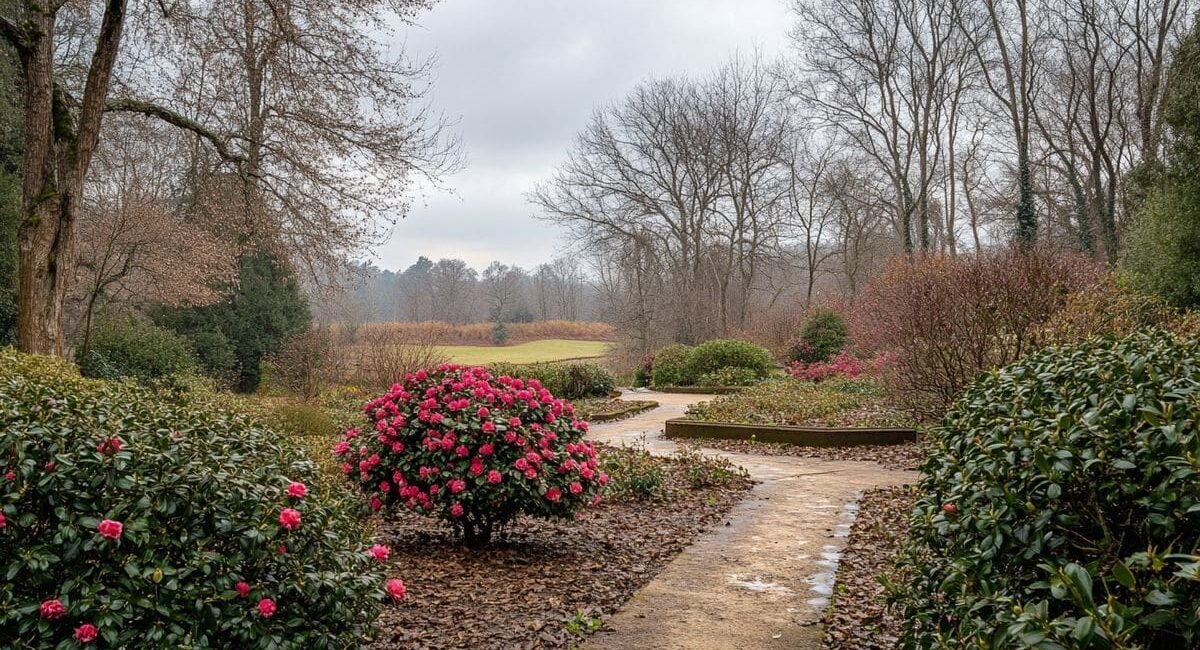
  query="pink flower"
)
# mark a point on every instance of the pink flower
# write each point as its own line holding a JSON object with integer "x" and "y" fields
{"x": 242, "y": 588}
{"x": 531, "y": 473}
{"x": 486, "y": 449}
{"x": 3, "y": 521}
{"x": 554, "y": 494}
{"x": 456, "y": 510}
{"x": 376, "y": 504}
{"x": 488, "y": 427}
{"x": 456, "y": 486}
{"x": 282, "y": 549}
{"x": 85, "y": 633}
{"x": 110, "y": 445}
{"x": 52, "y": 609}
{"x": 494, "y": 477}
{"x": 379, "y": 552}
{"x": 602, "y": 479}
{"x": 297, "y": 490}
{"x": 521, "y": 464}
{"x": 50, "y": 466}
{"x": 575, "y": 487}
{"x": 266, "y": 608}
{"x": 483, "y": 412}
{"x": 395, "y": 589}
{"x": 289, "y": 518}
{"x": 110, "y": 529}
{"x": 341, "y": 448}
{"x": 462, "y": 451}
{"x": 10, "y": 475}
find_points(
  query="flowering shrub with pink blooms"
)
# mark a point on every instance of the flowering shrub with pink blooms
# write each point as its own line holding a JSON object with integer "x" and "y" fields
{"x": 474, "y": 449}
{"x": 128, "y": 519}
{"x": 843, "y": 366}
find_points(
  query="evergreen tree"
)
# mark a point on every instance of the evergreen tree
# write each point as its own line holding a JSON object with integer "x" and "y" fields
{"x": 1163, "y": 248}
{"x": 260, "y": 313}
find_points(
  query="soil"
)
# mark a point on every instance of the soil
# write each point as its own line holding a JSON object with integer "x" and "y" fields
{"x": 544, "y": 583}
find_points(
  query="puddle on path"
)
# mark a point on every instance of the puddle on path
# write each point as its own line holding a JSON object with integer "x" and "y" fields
{"x": 756, "y": 583}
{"x": 821, "y": 584}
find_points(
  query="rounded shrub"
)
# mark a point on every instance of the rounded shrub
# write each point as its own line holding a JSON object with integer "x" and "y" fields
{"x": 473, "y": 449}
{"x": 127, "y": 347}
{"x": 150, "y": 523}
{"x": 1061, "y": 505}
{"x": 729, "y": 376}
{"x": 565, "y": 379}
{"x": 712, "y": 356}
{"x": 671, "y": 367}
{"x": 823, "y": 336}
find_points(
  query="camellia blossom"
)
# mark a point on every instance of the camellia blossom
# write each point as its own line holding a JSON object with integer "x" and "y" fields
{"x": 289, "y": 518}
{"x": 110, "y": 445}
{"x": 3, "y": 521}
{"x": 297, "y": 490}
{"x": 52, "y": 609}
{"x": 494, "y": 477}
{"x": 282, "y": 549}
{"x": 379, "y": 552}
{"x": 110, "y": 529}
{"x": 554, "y": 494}
{"x": 395, "y": 589}
{"x": 266, "y": 608}
{"x": 456, "y": 510}
{"x": 242, "y": 588}
{"x": 86, "y": 633}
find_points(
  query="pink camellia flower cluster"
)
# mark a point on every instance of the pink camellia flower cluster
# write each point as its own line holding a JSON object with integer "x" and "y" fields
{"x": 110, "y": 529}
{"x": 472, "y": 448}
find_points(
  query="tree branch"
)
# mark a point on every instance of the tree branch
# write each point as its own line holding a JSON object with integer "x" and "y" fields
{"x": 219, "y": 142}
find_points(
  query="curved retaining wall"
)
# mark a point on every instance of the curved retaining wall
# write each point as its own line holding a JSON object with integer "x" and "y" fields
{"x": 806, "y": 436}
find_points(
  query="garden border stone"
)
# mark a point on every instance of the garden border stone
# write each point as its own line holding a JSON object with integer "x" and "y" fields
{"x": 795, "y": 435}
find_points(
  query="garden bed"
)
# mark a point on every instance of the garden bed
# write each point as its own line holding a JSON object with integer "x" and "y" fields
{"x": 857, "y": 618}
{"x": 546, "y": 583}
{"x": 791, "y": 435}
{"x": 610, "y": 409}
{"x": 701, "y": 390}
{"x": 794, "y": 402}
{"x": 906, "y": 456}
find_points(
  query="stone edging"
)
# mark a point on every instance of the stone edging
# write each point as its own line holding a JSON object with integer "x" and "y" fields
{"x": 623, "y": 413}
{"x": 805, "y": 436}
{"x": 701, "y": 390}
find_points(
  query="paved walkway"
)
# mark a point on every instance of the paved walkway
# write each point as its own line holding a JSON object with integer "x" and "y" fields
{"x": 762, "y": 579}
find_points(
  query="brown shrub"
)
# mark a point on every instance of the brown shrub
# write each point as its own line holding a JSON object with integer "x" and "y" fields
{"x": 307, "y": 361}
{"x": 942, "y": 320}
{"x": 1111, "y": 308}
{"x": 381, "y": 356}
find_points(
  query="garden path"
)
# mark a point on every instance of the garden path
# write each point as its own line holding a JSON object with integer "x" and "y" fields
{"x": 762, "y": 580}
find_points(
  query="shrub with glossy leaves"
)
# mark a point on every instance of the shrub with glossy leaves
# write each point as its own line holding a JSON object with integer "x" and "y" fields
{"x": 823, "y": 336}
{"x": 473, "y": 449}
{"x": 712, "y": 356}
{"x": 566, "y": 379}
{"x": 671, "y": 366}
{"x": 1061, "y": 505}
{"x": 127, "y": 347}
{"x": 153, "y": 523}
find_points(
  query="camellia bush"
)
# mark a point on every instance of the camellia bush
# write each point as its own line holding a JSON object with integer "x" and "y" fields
{"x": 130, "y": 520}
{"x": 473, "y": 449}
{"x": 1061, "y": 505}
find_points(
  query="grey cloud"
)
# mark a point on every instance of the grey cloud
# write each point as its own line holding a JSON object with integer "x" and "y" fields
{"x": 522, "y": 77}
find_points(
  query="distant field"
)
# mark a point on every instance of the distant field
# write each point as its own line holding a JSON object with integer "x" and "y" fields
{"x": 544, "y": 350}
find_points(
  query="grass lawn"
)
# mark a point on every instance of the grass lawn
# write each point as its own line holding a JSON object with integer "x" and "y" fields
{"x": 545, "y": 350}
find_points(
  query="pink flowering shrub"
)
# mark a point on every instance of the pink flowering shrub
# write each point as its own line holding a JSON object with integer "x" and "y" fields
{"x": 129, "y": 520}
{"x": 474, "y": 449}
{"x": 843, "y": 366}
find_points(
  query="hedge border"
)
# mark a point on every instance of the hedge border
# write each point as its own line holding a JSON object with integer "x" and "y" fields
{"x": 794, "y": 435}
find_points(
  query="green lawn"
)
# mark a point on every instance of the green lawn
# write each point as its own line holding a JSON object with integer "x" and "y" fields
{"x": 546, "y": 350}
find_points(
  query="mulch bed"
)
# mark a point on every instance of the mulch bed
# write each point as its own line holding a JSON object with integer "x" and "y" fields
{"x": 857, "y": 618}
{"x": 905, "y": 456}
{"x": 524, "y": 590}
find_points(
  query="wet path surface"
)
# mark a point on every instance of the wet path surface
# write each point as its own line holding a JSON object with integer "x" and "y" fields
{"x": 763, "y": 579}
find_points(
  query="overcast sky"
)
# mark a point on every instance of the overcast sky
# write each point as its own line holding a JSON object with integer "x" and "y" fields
{"x": 523, "y": 76}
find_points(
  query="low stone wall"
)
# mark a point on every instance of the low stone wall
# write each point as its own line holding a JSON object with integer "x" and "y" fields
{"x": 806, "y": 436}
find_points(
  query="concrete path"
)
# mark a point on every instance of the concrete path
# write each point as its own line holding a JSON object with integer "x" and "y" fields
{"x": 761, "y": 580}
